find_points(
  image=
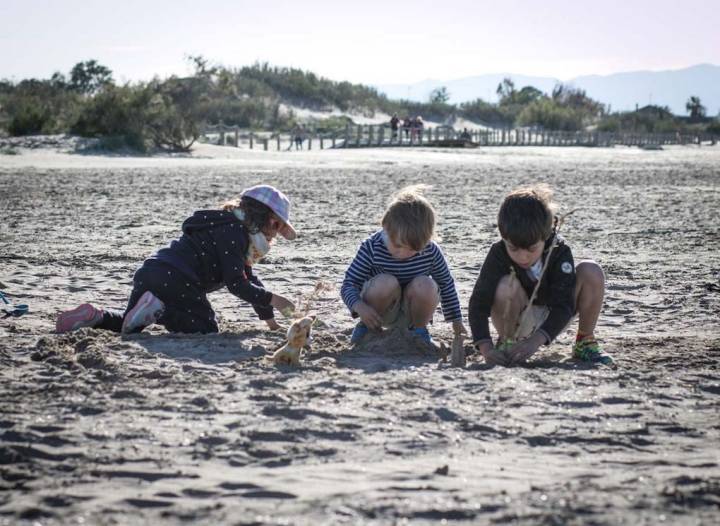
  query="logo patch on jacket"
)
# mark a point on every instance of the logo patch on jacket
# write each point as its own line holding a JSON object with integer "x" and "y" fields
{"x": 566, "y": 267}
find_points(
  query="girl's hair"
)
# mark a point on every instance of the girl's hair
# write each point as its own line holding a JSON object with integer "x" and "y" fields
{"x": 527, "y": 215}
{"x": 257, "y": 215}
{"x": 410, "y": 218}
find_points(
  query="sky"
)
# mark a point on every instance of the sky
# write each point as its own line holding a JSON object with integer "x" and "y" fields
{"x": 366, "y": 41}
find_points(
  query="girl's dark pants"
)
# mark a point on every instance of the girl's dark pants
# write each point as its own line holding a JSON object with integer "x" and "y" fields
{"x": 187, "y": 308}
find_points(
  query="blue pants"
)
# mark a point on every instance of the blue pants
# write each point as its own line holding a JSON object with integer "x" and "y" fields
{"x": 187, "y": 308}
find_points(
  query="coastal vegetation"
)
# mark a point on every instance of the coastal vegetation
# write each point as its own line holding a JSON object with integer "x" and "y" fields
{"x": 168, "y": 114}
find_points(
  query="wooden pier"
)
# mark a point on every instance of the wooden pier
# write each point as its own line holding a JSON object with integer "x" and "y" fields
{"x": 381, "y": 136}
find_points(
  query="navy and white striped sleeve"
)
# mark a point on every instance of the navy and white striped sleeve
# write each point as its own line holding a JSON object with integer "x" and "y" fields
{"x": 357, "y": 274}
{"x": 449, "y": 299}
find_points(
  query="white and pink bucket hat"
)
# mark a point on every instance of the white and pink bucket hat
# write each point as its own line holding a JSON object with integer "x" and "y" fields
{"x": 277, "y": 202}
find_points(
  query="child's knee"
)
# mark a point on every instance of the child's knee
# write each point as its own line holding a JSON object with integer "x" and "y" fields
{"x": 508, "y": 288}
{"x": 590, "y": 274}
{"x": 381, "y": 287}
{"x": 423, "y": 287}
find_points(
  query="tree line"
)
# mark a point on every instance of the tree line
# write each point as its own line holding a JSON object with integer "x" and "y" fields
{"x": 169, "y": 114}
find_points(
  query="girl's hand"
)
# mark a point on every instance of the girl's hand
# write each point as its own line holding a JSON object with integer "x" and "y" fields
{"x": 284, "y": 305}
{"x": 273, "y": 325}
{"x": 368, "y": 315}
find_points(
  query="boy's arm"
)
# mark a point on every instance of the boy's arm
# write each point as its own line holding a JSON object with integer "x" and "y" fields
{"x": 561, "y": 293}
{"x": 524, "y": 349}
{"x": 449, "y": 299}
{"x": 494, "y": 267}
{"x": 356, "y": 275}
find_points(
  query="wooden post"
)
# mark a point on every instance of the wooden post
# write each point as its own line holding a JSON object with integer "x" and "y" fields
{"x": 278, "y": 142}
{"x": 251, "y": 140}
{"x": 237, "y": 137}
{"x": 370, "y": 134}
{"x": 321, "y": 142}
{"x": 265, "y": 144}
{"x": 222, "y": 138}
{"x": 381, "y": 135}
{"x": 333, "y": 140}
{"x": 347, "y": 136}
{"x": 359, "y": 134}
{"x": 309, "y": 143}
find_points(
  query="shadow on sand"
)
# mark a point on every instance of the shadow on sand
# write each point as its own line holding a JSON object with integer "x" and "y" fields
{"x": 211, "y": 349}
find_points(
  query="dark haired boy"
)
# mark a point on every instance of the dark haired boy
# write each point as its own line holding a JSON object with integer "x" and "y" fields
{"x": 510, "y": 273}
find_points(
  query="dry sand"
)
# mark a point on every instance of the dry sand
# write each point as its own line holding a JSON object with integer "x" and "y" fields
{"x": 158, "y": 428}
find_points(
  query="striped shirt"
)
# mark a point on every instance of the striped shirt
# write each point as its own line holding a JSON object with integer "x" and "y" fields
{"x": 373, "y": 258}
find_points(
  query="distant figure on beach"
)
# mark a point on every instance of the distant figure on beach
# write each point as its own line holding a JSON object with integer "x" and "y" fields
{"x": 465, "y": 135}
{"x": 394, "y": 124}
{"x": 299, "y": 136}
{"x": 417, "y": 127}
{"x": 531, "y": 254}
{"x": 399, "y": 274}
{"x": 218, "y": 248}
{"x": 407, "y": 124}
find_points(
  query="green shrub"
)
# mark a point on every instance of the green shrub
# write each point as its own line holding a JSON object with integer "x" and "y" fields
{"x": 117, "y": 112}
{"x": 714, "y": 127}
{"x": 482, "y": 111}
{"x": 550, "y": 115}
{"x": 29, "y": 116}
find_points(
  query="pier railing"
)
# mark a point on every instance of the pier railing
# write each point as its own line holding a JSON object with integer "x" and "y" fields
{"x": 378, "y": 136}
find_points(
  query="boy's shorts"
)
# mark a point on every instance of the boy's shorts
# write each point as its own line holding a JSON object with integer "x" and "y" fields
{"x": 531, "y": 319}
{"x": 535, "y": 317}
{"x": 397, "y": 315}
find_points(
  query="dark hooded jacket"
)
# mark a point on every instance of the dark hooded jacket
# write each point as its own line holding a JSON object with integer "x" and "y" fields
{"x": 557, "y": 289}
{"x": 212, "y": 252}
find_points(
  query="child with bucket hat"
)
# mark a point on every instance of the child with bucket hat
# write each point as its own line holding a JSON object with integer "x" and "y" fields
{"x": 217, "y": 248}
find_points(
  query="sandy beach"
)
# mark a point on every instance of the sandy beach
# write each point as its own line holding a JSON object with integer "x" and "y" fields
{"x": 98, "y": 428}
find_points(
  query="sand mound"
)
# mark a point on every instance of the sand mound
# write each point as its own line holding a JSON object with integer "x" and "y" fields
{"x": 83, "y": 349}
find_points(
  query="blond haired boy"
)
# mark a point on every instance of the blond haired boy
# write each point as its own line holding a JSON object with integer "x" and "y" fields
{"x": 399, "y": 274}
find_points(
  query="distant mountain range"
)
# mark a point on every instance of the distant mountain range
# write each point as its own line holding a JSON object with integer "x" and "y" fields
{"x": 622, "y": 91}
